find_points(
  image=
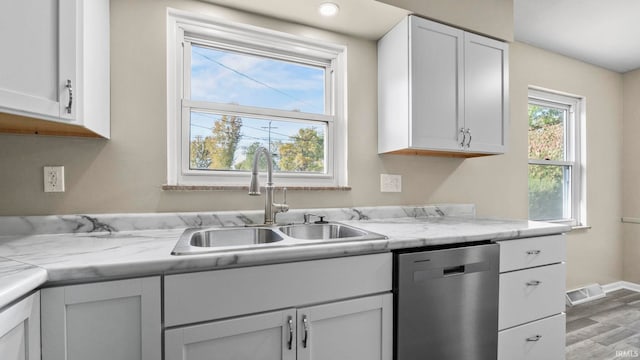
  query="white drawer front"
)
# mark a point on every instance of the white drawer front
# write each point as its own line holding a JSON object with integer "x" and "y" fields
{"x": 531, "y": 252}
{"x": 521, "y": 300}
{"x": 540, "y": 340}
{"x": 210, "y": 295}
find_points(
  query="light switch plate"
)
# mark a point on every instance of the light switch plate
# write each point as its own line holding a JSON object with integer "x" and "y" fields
{"x": 390, "y": 183}
{"x": 54, "y": 179}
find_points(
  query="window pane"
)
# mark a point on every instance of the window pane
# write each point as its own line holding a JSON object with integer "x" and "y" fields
{"x": 235, "y": 78}
{"x": 547, "y": 138}
{"x": 549, "y": 192}
{"x": 226, "y": 142}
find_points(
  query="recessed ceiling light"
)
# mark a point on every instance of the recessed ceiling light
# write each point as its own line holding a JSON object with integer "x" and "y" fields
{"x": 328, "y": 9}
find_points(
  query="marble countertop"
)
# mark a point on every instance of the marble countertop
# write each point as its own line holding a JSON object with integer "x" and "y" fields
{"x": 17, "y": 279}
{"x": 28, "y": 261}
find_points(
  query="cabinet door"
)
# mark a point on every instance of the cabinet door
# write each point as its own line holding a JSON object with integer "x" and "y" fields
{"x": 20, "y": 330}
{"x": 269, "y": 336}
{"x": 115, "y": 320}
{"x": 436, "y": 57}
{"x": 539, "y": 340}
{"x": 531, "y": 294}
{"x": 486, "y": 93}
{"x": 353, "y": 329}
{"x": 39, "y": 39}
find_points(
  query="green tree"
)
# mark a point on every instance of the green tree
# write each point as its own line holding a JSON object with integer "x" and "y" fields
{"x": 250, "y": 153}
{"x": 546, "y": 182}
{"x": 304, "y": 154}
{"x": 224, "y": 140}
{"x": 199, "y": 155}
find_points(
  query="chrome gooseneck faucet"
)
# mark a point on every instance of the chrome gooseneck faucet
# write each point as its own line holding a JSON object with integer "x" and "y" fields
{"x": 270, "y": 208}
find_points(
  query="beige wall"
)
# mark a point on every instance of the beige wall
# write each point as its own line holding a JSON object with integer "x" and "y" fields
{"x": 631, "y": 175}
{"x": 125, "y": 174}
{"x": 594, "y": 255}
{"x": 492, "y": 17}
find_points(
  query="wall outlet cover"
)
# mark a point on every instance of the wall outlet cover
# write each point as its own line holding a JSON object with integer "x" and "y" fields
{"x": 54, "y": 179}
{"x": 390, "y": 183}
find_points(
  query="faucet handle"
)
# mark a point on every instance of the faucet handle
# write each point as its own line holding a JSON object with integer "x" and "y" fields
{"x": 281, "y": 207}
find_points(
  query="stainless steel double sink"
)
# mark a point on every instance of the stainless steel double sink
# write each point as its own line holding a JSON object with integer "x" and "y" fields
{"x": 211, "y": 240}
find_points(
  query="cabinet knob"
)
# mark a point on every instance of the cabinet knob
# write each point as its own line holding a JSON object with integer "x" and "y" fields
{"x": 290, "y": 342}
{"x": 534, "y": 283}
{"x": 464, "y": 137}
{"x": 534, "y": 338}
{"x": 533, "y": 252}
{"x": 468, "y": 131}
{"x": 305, "y": 337}
{"x": 70, "y": 89}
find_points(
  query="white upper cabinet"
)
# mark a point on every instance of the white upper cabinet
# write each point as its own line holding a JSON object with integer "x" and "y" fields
{"x": 441, "y": 90}
{"x": 58, "y": 68}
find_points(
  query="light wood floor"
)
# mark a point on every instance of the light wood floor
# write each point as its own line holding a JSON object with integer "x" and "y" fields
{"x": 603, "y": 329}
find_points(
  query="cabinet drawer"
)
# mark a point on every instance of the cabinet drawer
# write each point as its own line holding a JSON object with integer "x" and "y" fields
{"x": 521, "y": 300}
{"x": 530, "y": 252}
{"x": 539, "y": 340}
{"x": 210, "y": 295}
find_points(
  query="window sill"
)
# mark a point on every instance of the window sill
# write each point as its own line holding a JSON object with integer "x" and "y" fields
{"x": 580, "y": 227}
{"x": 246, "y": 188}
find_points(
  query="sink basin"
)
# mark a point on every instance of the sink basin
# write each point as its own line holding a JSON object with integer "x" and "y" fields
{"x": 211, "y": 240}
{"x": 234, "y": 237}
{"x": 224, "y": 239}
{"x": 321, "y": 231}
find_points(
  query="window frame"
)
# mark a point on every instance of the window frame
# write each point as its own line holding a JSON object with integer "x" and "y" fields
{"x": 574, "y": 149}
{"x": 183, "y": 29}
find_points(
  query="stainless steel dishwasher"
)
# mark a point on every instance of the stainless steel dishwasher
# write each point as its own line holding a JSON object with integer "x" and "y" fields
{"x": 446, "y": 303}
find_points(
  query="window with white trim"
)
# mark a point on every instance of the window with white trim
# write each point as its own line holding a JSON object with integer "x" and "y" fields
{"x": 555, "y": 164}
{"x": 235, "y": 87}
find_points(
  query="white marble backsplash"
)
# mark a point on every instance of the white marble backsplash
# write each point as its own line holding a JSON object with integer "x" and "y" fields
{"x": 69, "y": 224}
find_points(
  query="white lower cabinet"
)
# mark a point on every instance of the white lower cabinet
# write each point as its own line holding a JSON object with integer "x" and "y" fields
{"x": 20, "y": 330}
{"x": 327, "y": 309}
{"x": 268, "y": 336}
{"x": 531, "y": 315}
{"x": 354, "y": 329}
{"x": 531, "y": 294}
{"x": 351, "y": 329}
{"x": 113, "y": 320}
{"x": 539, "y": 340}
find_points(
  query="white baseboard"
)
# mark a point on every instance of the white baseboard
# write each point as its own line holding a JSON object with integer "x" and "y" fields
{"x": 621, "y": 285}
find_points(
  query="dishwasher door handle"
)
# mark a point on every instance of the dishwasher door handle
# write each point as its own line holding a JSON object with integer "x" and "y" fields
{"x": 453, "y": 270}
{"x": 437, "y": 272}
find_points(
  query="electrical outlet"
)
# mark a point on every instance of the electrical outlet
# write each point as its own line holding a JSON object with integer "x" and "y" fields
{"x": 390, "y": 183}
{"x": 54, "y": 179}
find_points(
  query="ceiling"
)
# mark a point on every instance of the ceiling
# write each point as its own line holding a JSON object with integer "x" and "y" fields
{"x": 363, "y": 18}
{"x": 603, "y": 33}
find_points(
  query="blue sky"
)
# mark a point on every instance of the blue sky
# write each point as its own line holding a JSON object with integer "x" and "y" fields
{"x": 227, "y": 77}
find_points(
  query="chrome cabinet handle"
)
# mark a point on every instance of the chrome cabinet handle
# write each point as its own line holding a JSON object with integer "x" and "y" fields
{"x": 305, "y": 337}
{"x": 534, "y": 252}
{"x": 534, "y": 283}
{"x": 290, "y": 342}
{"x": 534, "y": 338}
{"x": 468, "y": 131}
{"x": 464, "y": 137}
{"x": 70, "y": 89}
